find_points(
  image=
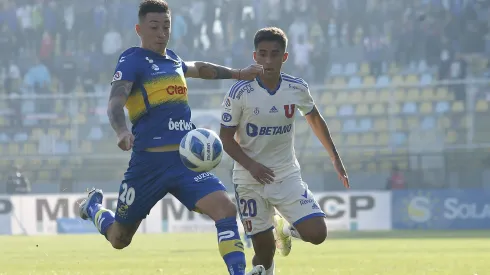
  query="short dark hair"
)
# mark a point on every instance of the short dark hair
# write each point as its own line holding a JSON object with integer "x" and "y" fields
{"x": 148, "y": 6}
{"x": 271, "y": 34}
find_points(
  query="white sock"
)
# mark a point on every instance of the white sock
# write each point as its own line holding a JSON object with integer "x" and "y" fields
{"x": 271, "y": 270}
{"x": 291, "y": 231}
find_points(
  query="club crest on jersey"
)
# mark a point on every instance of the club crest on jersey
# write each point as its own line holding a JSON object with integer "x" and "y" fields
{"x": 289, "y": 110}
{"x": 256, "y": 111}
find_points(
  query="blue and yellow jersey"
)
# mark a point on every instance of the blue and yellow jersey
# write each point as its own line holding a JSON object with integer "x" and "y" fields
{"x": 157, "y": 106}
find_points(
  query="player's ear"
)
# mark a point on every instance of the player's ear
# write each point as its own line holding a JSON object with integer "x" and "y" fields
{"x": 137, "y": 28}
{"x": 255, "y": 56}
{"x": 285, "y": 57}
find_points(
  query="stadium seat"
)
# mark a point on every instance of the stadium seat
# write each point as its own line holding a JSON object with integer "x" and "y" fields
{"x": 394, "y": 108}
{"x": 20, "y": 137}
{"x": 411, "y": 79}
{"x": 382, "y": 139}
{"x": 397, "y": 123}
{"x": 398, "y": 139}
{"x": 451, "y": 137}
{"x": 381, "y": 124}
{"x": 384, "y": 95}
{"x": 378, "y": 109}
{"x": 371, "y": 96}
{"x": 426, "y": 79}
{"x": 327, "y": 98}
{"x": 369, "y": 81}
{"x": 383, "y": 81}
{"x": 29, "y": 149}
{"x": 333, "y": 125}
{"x": 372, "y": 166}
{"x": 336, "y": 69}
{"x": 54, "y": 132}
{"x": 67, "y": 135}
{"x": 352, "y": 140}
{"x": 426, "y": 108}
{"x": 413, "y": 95}
{"x": 346, "y": 110}
{"x": 13, "y": 149}
{"x": 350, "y": 69}
{"x": 362, "y": 110}
{"x": 409, "y": 108}
{"x": 342, "y": 97}
{"x": 398, "y": 80}
{"x": 338, "y": 81}
{"x": 442, "y": 107}
{"x": 444, "y": 122}
{"x": 354, "y": 82}
{"x": 422, "y": 67}
{"x": 482, "y": 106}
{"x": 365, "y": 70}
{"x": 86, "y": 146}
{"x": 457, "y": 107}
{"x": 400, "y": 95}
{"x": 427, "y": 94}
{"x": 349, "y": 126}
{"x": 428, "y": 123}
{"x": 367, "y": 139}
{"x": 356, "y": 97}
{"x": 442, "y": 93}
{"x": 365, "y": 124}
{"x": 412, "y": 122}
{"x": 330, "y": 110}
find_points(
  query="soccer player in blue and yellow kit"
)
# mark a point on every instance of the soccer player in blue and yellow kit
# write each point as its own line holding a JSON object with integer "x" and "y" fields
{"x": 150, "y": 81}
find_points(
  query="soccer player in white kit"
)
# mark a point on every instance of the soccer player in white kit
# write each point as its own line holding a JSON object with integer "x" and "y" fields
{"x": 266, "y": 173}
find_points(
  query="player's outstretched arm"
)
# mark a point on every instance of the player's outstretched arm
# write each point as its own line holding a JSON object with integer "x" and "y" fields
{"x": 320, "y": 128}
{"x": 261, "y": 173}
{"x": 115, "y": 110}
{"x": 206, "y": 70}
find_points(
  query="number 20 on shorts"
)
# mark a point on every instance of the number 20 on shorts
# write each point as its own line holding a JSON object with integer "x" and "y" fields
{"x": 248, "y": 208}
{"x": 127, "y": 195}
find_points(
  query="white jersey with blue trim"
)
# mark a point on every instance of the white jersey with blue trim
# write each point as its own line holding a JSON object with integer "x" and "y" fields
{"x": 265, "y": 123}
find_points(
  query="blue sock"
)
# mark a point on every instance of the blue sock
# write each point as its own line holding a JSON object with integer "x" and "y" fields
{"x": 230, "y": 246}
{"x": 101, "y": 217}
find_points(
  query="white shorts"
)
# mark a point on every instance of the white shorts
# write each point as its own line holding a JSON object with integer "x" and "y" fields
{"x": 257, "y": 204}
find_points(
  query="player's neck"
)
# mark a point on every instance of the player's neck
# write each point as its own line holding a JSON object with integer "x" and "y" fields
{"x": 164, "y": 52}
{"x": 270, "y": 82}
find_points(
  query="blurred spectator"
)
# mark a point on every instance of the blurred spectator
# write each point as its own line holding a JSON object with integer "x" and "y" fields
{"x": 396, "y": 179}
{"x": 17, "y": 183}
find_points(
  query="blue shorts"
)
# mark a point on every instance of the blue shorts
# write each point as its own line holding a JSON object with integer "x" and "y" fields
{"x": 150, "y": 176}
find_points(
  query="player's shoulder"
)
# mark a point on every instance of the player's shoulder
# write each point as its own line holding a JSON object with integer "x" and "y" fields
{"x": 130, "y": 55}
{"x": 240, "y": 87}
{"x": 294, "y": 80}
{"x": 170, "y": 53}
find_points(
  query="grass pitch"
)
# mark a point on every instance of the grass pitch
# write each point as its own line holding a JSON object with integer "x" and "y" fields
{"x": 394, "y": 253}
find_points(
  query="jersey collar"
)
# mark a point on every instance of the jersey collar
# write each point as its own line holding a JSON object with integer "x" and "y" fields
{"x": 271, "y": 92}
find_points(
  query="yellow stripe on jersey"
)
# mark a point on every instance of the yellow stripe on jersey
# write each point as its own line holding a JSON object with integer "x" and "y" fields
{"x": 227, "y": 247}
{"x": 160, "y": 90}
{"x": 166, "y": 89}
{"x": 135, "y": 105}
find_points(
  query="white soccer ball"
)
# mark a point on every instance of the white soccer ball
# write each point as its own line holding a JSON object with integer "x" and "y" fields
{"x": 201, "y": 150}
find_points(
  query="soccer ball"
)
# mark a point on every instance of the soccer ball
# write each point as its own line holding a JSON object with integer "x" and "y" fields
{"x": 201, "y": 150}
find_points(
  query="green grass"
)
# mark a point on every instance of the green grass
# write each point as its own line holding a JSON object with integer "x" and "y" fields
{"x": 394, "y": 253}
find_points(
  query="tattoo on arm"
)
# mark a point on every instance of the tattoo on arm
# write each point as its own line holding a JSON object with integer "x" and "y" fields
{"x": 212, "y": 71}
{"x": 119, "y": 94}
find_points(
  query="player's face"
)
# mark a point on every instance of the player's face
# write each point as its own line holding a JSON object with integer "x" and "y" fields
{"x": 271, "y": 55}
{"x": 154, "y": 30}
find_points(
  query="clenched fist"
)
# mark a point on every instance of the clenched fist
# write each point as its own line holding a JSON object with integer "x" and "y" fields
{"x": 251, "y": 72}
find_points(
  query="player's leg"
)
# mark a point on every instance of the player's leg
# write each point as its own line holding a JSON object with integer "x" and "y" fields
{"x": 256, "y": 214}
{"x": 119, "y": 235}
{"x": 140, "y": 190}
{"x": 205, "y": 193}
{"x": 297, "y": 205}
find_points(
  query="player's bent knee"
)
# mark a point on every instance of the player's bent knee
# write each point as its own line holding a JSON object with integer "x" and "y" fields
{"x": 120, "y": 236}
{"x": 217, "y": 206}
{"x": 318, "y": 237}
{"x": 313, "y": 230}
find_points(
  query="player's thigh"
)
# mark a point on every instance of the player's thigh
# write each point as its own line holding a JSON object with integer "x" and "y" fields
{"x": 204, "y": 193}
{"x": 256, "y": 213}
{"x": 143, "y": 186}
{"x": 294, "y": 201}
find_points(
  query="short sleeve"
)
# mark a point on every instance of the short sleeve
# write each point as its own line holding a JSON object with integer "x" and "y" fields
{"x": 306, "y": 103}
{"x": 184, "y": 66}
{"x": 232, "y": 107}
{"x": 126, "y": 69}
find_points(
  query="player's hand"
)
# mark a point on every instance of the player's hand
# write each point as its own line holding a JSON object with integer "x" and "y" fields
{"x": 251, "y": 72}
{"x": 261, "y": 173}
{"x": 339, "y": 167}
{"x": 125, "y": 140}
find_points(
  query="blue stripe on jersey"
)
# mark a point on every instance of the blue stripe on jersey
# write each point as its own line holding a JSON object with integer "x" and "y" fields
{"x": 296, "y": 80}
{"x": 236, "y": 87}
